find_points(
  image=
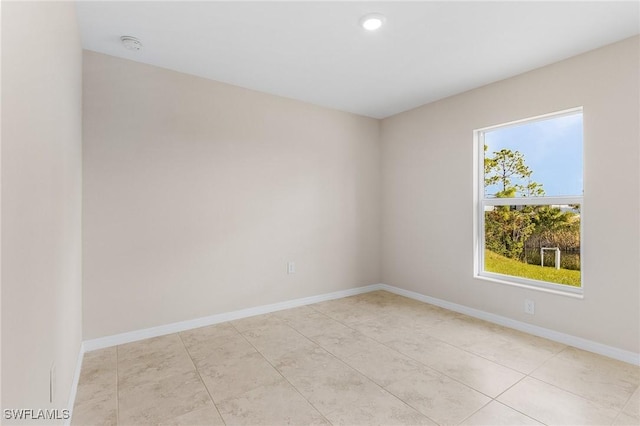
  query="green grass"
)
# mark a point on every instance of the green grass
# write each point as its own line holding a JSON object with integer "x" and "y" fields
{"x": 493, "y": 262}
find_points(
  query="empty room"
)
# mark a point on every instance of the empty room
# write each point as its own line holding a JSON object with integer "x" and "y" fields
{"x": 320, "y": 213}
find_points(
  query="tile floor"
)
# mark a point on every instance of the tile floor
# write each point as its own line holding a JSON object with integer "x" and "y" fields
{"x": 371, "y": 359}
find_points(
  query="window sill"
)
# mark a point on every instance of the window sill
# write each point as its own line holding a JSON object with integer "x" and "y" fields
{"x": 496, "y": 278}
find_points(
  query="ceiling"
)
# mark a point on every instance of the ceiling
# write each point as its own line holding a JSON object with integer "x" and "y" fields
{"x": 316, "y": 52}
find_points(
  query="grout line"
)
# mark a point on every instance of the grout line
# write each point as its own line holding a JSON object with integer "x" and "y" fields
{"x": 616, "y": 418}
{"x": 508, "y": 388}
{"x": 596, "y": 403}
{"x": 543, "y": 363}
{"x": 339, "y": 359}
{"x": 525, "y": 375}
{"x": 492, "y": 399}
{"x": 279, "y": 372}
{"x": 420, "y": 362}
{"x": 518, "y": 411}
{"x": 407, "y": 403}
{"x": 530, "y": 375}
{"x": 200, "y": 377}
{"x": 637, "y": 389}
{"x": 432, "y": 337}
{"x": 509, "y": 407}
{"x": 622, "y": 410}
{"x": 476, "y": 411}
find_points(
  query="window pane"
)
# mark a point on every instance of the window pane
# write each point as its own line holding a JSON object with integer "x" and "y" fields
{"x": 535, "y": 242}
{"x": 537, "y": 158}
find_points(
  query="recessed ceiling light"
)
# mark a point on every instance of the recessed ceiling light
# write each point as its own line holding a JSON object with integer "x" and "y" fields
{"x": 372, "y": 21}
{"x": 131, "y": 43}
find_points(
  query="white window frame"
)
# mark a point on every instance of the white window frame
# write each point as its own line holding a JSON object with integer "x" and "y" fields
{"x": 480, "y": 202}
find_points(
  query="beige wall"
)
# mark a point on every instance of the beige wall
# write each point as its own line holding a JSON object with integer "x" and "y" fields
{"x": 428, "y": 191}
{"x": 41, "y": 201}
{"x": 197, "y": 193}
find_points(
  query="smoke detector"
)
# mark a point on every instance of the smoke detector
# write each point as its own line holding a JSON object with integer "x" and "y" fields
{"x": 131, "y": 43}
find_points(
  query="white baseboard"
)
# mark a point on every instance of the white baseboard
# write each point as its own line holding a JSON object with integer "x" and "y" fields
{"x": 74, "y": 385}
{"x": 133, "y": 336}
{"x": 567, "y": 339}
{"x": 556, "y": 336}
{"x": 118, "y": 339}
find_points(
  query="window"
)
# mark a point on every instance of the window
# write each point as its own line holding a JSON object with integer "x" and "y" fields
{"x": 529, "y": 202}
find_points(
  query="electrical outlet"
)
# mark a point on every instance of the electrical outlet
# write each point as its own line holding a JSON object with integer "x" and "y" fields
{"x": 52, "y": 382}
{"x": 529, "y": 306}
{"x": 291, "y": 268}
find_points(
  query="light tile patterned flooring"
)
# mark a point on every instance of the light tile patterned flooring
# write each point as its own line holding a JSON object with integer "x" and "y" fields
{"x": 371, "y": 359}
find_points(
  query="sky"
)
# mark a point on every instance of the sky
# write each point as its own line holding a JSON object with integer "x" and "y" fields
{"x": 552, "y": 148}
